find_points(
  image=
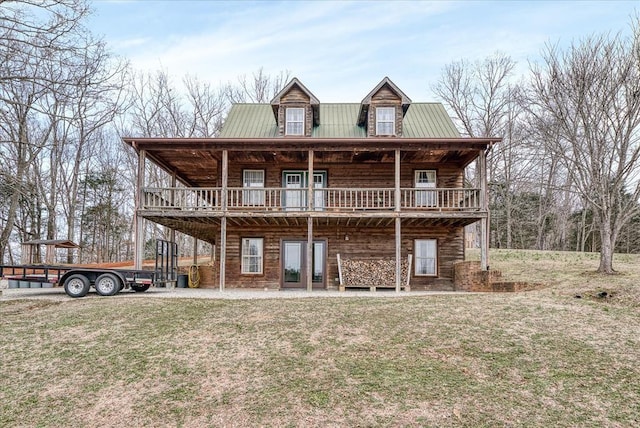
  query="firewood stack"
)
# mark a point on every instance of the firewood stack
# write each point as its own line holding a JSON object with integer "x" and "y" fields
{"x": 371, "y": 272}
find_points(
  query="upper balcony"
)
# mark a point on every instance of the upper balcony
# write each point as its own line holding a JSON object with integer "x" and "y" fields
{"x": 328, "y": 201}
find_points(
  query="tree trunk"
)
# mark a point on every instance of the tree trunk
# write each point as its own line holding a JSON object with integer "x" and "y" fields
{"x": 607, "y": 238}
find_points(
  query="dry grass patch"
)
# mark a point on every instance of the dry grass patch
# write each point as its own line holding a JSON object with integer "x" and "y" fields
{"x": 539, "y": 359}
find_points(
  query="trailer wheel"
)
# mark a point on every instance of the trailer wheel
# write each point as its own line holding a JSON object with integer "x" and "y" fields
{"x": 76, "y": 285}
{"x": 140, "y": 288}
{"x": 107, "y": 284}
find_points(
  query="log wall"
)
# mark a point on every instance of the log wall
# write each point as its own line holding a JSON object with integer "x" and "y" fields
{"x": 384, "y": 98}
{"x": 356, "y": 175}
{"x": 362, "y": 243}
{"x": 295, "y": 98}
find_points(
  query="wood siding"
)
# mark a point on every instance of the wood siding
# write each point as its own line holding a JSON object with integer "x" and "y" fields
{"x": 295, "y": 98}
{"x": 385, "y": 97}
{"x": 350, "y": 243}
{"x": 355, "y": 175}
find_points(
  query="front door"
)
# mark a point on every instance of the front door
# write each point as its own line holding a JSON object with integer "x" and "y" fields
{"x": 294, "y": 264}
{"x": 294, "y": 199}
{"x": 295, "y": 192}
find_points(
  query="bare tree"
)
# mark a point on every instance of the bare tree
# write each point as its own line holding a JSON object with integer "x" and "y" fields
{"x": 587, "y": 101}
{"x": 485, "y": 104}
{"x": 260, "y": 88}
{"x": 58, "y": 85}
{"x": 206, "y": 108}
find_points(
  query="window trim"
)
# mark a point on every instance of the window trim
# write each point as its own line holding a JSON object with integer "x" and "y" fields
{"x": 392, "y": 121}
{"x": 435, "y": 258}
{"x": 244, "y": 265}
{"x": 287, "y": 121}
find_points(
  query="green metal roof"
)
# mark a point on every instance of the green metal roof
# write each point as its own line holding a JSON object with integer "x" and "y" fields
{"x": 338, "y": 120}
{"x": 428, "y": 120}
{"x": 250, "y": 121}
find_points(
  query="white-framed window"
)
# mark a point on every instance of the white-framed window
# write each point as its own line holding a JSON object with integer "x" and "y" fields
{"x": 426, "y": 179}
{"x": 294, "y": 121}
{"x": 253, "y": 178}
{"x": 385, "y": 121}
{"x": 426, "y": 251}
{"x": 252, "y": 255}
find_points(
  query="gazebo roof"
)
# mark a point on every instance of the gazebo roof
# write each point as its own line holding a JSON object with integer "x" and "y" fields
{"x": 57, "y": 243}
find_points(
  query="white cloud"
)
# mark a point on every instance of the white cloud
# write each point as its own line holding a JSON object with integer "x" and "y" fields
{"x": 340, "y": 50}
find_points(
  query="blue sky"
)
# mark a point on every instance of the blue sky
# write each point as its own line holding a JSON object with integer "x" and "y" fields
{"x": 341, "y": 49}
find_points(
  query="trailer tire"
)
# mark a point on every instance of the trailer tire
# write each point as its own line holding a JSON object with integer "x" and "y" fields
{"x": 140, "y": 288}
{"x": 107, "y": 284}
{"x": 77, "y": 285}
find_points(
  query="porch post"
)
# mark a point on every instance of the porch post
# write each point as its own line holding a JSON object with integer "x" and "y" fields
{"x": 310, "y": 205}
{"x": 172, "y": 231}
{"x": 223, "y": 220}
{"x": 195, "y": 250}
{"x": 398, "y": 231}
{"x": 484, "y": 230}
{"x": 139, "y": 232}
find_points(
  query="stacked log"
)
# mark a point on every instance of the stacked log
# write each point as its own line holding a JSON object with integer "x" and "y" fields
{"x": 371, "y": 272}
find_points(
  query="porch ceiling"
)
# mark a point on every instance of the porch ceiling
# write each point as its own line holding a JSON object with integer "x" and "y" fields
{"x": 208, "y": 228}
{"x": 196, "y": 162}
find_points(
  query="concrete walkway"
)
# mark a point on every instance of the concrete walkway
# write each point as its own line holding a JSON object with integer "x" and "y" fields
{"x": 210, "y": 293}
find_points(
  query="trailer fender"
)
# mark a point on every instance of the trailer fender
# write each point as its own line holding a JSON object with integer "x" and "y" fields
{"x": 93, "y": 274}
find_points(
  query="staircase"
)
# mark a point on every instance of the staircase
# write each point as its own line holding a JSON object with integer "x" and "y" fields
{"x": 467, "y": 276}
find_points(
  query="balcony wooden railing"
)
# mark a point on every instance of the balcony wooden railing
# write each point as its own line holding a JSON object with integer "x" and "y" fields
{"x": 328, "y": 199}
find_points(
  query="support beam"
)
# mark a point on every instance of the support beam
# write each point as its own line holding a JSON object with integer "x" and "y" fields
{"x": 398, "y": 255}
{"x": 172, "y": 231}
{"x": 310, "y": 204}
{"x": 223, "y": 220}
{"x": 309, "y": 254}
{"x": 195, "y": 251}
{"x": 484, "y": 246}
{"x": 397, "y": 181}
{"x": 398, "y": 231}
{"x": 484, "y": 229}
{"x": 223, "y": 251}
{"x": 139, "y": 223}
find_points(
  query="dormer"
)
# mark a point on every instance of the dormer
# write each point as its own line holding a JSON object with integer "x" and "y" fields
{"x": 382, "y": 110}
{"x": 296, "y": 110}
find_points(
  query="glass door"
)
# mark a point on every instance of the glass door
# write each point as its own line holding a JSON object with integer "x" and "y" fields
{"x": 292, "y": 261}
{"x": 294, "y": 264}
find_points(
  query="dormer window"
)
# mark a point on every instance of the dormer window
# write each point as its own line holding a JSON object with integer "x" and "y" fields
{"x": 385, "y": 121}
{"x": 295, "y": 121}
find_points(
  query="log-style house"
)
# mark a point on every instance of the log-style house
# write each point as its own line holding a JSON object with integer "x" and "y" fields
{"x": 291, "y": 187}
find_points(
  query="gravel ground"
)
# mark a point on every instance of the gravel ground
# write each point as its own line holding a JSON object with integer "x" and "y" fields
{"x": 212, "y": 293}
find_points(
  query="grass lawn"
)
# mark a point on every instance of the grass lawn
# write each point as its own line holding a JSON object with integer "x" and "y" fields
{"x": 559, "y": 356}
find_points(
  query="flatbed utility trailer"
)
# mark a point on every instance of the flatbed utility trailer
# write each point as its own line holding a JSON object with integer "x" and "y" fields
{"x": 78, "y": 280}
